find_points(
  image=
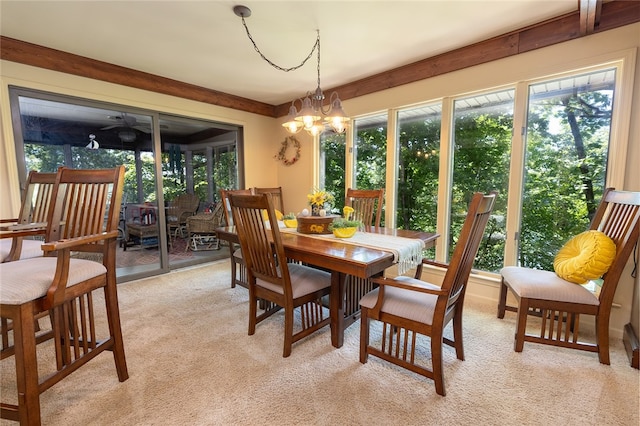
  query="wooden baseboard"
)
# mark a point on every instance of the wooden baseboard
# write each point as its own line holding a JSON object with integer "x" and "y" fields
{"x": 632, "y": 346}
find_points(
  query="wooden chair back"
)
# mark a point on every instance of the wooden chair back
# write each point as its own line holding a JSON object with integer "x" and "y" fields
{"x": 618, "y": 216}
{"x": 261, "y": 243}
{"x": 35, "y": 208}
{"x": 464, "y": 254}
{"x": 366, "y": 204}
{"x": 224, "y": 197}
{"x": 276, "y": 195}
{"x": 87, "y": 204}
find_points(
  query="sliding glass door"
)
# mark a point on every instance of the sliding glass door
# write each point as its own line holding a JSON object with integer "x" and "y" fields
{"x": 164, "y": 157}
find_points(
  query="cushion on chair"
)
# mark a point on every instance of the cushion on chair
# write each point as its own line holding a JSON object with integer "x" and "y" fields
{"x": 26, "y": 280}
{"x": 304, "y": 280}
{"x": 405, "y": 303}
{"x": 30, "y": 248}
{"x": 546, "y": 285}
{"x": 585, "y": 257}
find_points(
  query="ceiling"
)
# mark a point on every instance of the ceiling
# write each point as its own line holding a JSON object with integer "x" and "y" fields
{"x": 204, "y": 43}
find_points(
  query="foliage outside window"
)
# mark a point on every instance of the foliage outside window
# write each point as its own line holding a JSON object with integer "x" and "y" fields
{"x": 567, "y": 139}
{"x": 418, "y": 168}
{"x": 332, "y": 166}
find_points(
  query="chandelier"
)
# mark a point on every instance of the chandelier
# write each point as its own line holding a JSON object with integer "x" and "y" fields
{"x": 313, "y": 116}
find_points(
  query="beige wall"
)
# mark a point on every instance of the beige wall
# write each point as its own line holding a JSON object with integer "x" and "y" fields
{"x": 258, "y": 130}
{"x": 263, "y": 135}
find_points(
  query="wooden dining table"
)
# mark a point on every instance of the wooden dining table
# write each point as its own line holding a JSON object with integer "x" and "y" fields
{"x": 342, "y": 259}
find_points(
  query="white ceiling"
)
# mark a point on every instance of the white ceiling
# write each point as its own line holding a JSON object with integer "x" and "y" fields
{"x": 204, "y": 42}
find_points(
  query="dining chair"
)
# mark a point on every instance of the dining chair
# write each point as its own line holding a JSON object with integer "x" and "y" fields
{"x": 271, "y": 278}
{"x": 238, "y": 267}
{"x": 560, "y": 303}
{"x": 276, "y": 194}
{"x": 82, "y": 218}
{"x": 367, "y": 208}
{"x": 33, "y": 212}
{"x": 406, "y": 307}
{"x": 366, "y": 204}
{"x": 33, "y": 215}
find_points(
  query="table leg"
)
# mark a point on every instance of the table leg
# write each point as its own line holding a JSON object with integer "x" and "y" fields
{"x": 337, "y": 308}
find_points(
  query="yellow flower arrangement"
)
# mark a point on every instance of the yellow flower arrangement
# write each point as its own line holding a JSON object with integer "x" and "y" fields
{"x": 319, "y": 198}
{"x": 346, "y": 212}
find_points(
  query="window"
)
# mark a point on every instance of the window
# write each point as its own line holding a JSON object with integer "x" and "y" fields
{"x": 481, "y": 153}
{"x": 567, "y": 144}
{"x": 370, "y": 152}
{"x": 418, "y": 167}
{"x": 544, "y": 145}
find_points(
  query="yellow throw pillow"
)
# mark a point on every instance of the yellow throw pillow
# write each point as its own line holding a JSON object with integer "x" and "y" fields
{"x": 585, "y": 257}
{"x": 265, "y": 215}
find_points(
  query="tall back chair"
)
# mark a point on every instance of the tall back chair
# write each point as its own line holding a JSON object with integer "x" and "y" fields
{"x": 238, "y": 267}
{"x": 83, "y": 218}
{"x": 560, "y": 303}
{"x": 276, "y": 195}
{"x": 179, "y": 209}
{"x": 35, "y": 207}
{"x": 366, "y": 204}
{"x": 286, "y": 285}
{"x": 408, "y": 306}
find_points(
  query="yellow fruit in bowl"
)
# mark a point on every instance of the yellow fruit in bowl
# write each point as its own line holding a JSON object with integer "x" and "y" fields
{"x": 345, "y": 232}
{"x": 290, "y": 223}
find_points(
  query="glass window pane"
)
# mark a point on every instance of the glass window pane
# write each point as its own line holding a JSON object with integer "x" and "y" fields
{"x": 418, "y": 158}
{"x": 568, "y": 127}
{"x": 332, "y": 166}
{"x": 370, "y": 148}
{"x": 482, "y": 148}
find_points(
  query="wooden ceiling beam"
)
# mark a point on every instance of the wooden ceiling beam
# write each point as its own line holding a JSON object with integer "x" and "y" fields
{"x": 604, "y": 16}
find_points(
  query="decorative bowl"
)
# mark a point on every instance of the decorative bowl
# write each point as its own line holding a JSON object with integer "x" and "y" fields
{"x": 290, "y": 223}
{"x": 345, "y": 232}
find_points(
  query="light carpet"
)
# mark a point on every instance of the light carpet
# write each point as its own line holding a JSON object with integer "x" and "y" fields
{"x": 191, "y": 362}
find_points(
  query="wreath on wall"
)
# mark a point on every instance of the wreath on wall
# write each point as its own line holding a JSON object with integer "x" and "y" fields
{"x": 289, "y": 142}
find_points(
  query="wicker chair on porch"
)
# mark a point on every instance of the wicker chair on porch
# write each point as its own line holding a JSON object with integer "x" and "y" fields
{"x": 179, "y": 209}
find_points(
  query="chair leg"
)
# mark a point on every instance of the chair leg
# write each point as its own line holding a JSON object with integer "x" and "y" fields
{"x": 502, "y": 301}
{"x": 436, "y": 361}
{"x": 457, "y": 334}
{"x": 523, "y": 313}
{"x": 233, "y": 273}
{"x": 602, "y": 340}
{"x": 253, "y": 311}
{"x": 113, "y": 317}
{"x": 26, "y": 366}
{"x": 364, "y": 335}
{"x": 288, "y": 332}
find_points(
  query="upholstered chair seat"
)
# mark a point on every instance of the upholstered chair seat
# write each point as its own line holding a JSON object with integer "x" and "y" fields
{"x": 30, "y": 248}
{"x": 539, "y": 284}
{"x": 30, "y": 279}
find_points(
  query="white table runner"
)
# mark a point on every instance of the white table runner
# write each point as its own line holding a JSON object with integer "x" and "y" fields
{"x": 407, "y": 252}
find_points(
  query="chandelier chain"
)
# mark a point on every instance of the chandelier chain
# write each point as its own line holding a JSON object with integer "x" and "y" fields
{"x": 278, "y": 67}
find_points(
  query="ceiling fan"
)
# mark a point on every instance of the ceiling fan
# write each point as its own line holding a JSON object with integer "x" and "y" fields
{"x": 126, "y": 121}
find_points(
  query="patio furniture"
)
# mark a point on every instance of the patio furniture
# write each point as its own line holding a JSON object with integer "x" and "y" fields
{"x": 201, "y": 229}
